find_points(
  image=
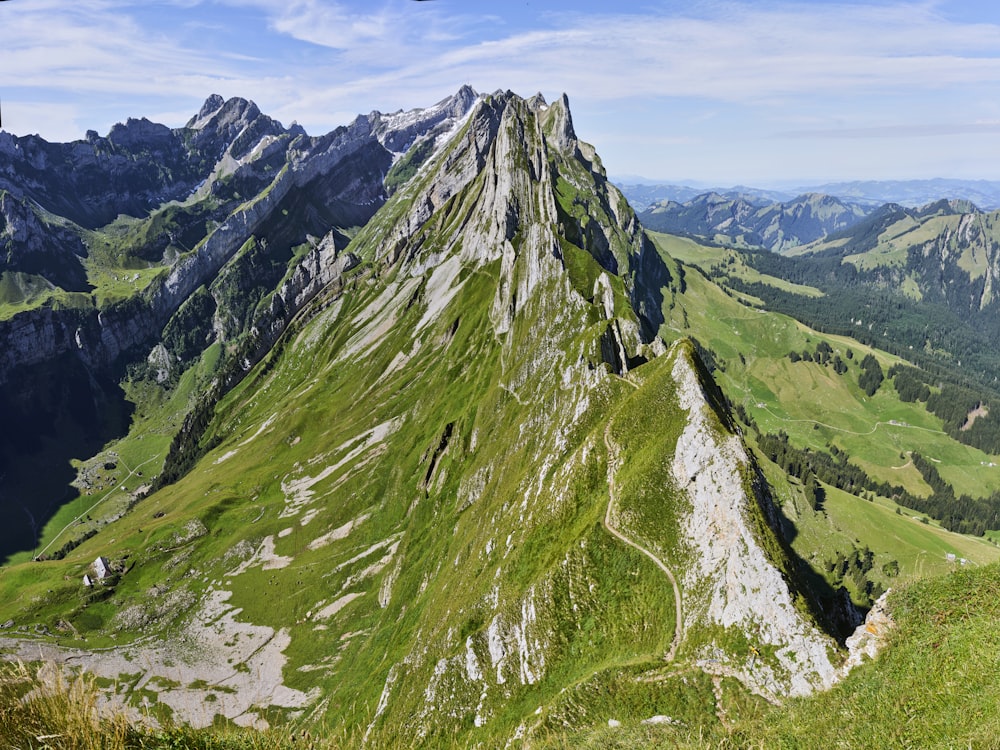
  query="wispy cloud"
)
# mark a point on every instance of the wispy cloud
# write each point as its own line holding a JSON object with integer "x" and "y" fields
{"x": 933, "y": 130}
{"x": 732, "y": 52}
{"x": 792, "y": 70}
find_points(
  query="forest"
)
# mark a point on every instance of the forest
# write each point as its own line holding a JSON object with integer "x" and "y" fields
{"x": 962, "y": 514}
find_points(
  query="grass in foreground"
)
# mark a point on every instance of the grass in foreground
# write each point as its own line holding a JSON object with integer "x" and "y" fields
{"x": 934, "y": 686}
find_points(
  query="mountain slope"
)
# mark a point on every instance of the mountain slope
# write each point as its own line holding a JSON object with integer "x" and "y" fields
{"x": 254, "y": 222}
{"x": 944, "y": 253}
{"x": 405, "y": 509}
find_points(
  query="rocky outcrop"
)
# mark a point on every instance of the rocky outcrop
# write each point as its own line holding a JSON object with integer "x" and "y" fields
{"x": 869, "y": 637}
{"x": 30, "y": 246}
{"x": 242, "y": 144}
{"x": 731, "y": 584}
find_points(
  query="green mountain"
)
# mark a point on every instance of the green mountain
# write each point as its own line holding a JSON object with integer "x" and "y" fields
{"x": 218, "y": 233}
{"x": 512, "y": 470}
{"x": 915, "y": 282}
{"x": 944, "y": 253}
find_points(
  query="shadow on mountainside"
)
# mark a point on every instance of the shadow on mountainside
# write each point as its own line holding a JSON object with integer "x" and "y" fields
{"x": 51, "y": 413}
{"x": 832, "y": 608}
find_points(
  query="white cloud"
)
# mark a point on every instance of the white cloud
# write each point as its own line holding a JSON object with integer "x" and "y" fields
{"x": 791, "y": 70}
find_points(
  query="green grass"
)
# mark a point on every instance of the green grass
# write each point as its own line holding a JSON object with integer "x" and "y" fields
{"x": 932, "y": 686}
{"x": 920, "y": 549}
{"x": 692, "y": 253}
{"x": 814, "y": 405}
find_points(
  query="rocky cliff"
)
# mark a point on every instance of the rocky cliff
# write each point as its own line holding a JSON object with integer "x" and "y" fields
{"x": 227, "y": 144}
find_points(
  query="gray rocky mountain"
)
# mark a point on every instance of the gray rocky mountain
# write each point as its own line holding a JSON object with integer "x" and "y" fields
{"x": 752, "y": 222}
{"x": 154, "y": 239}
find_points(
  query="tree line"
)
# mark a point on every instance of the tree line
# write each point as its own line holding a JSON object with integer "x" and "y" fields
{"x": 962, "y": 514}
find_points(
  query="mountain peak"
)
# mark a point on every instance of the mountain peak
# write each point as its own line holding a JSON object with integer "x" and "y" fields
{"x": 559, "y": 123}
{"x": 465, "y": 96}
{"x": 136, "y": 131}
{"x": 223, "y": 112}
{"x": 212, "y": 105}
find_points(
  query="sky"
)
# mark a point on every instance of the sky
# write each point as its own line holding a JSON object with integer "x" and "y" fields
{"x": 748, "y": 92}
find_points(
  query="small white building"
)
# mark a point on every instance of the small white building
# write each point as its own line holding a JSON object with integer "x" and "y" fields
{"x": 87, "y": 580}
{"x": 102, "y": 568}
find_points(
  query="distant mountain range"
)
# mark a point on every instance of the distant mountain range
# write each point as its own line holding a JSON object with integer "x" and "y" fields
{"x": 749, "y": 221}
{"x": 911, "y": 193}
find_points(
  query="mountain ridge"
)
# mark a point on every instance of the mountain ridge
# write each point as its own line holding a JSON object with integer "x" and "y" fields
{"x": 511, "y": 224}
{"x": 776, "y": 226}
{"x": 914, "y": 193}
{"x": 462, "y": 474}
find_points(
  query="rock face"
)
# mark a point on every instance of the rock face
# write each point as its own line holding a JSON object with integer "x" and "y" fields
{"x": 233, "y": 204}
{"x": 30, "y": 247}
{"x": 731, "y": 583}
{"x": 144, "y": 164}
{"x": 869, "y": 637}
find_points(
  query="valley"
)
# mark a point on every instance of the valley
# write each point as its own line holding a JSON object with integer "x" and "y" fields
{"x": 413, "y": 435}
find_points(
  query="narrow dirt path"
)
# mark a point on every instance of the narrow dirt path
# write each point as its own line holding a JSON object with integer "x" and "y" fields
{"x": 613, "y": 463}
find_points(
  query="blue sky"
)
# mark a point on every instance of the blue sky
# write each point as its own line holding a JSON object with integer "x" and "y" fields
{"x": 752, "y": 91}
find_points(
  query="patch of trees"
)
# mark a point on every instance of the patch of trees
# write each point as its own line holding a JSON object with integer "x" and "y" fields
{"x": 823, "y": 354}
{"x": 830, "y": 468}
{"x": 815, "y": 494}
{"x": 871, "y": 376}
{"x": 189, "y": 331}
{"x": 962, "y": 514}
{"x": 65, "y": 549}
{"x": 909, "y": 383}
{"x": 856, "y": 566}
{"x": 952, "y": 405}
{"x": 709, "y": 358}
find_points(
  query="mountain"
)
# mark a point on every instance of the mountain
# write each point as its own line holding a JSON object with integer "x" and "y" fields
{"x": 462, "y": 472}
{"x": 492, "y": 465}
{"x": 642, "y": 195}
{"x": 869, "y": 194}
{"x": 743, "y": 221}
{"x": 915, "y": 193}
{"x": 249, "y": 222}
{"x": 944, "y": 252}
{"x": 943, "y": 255}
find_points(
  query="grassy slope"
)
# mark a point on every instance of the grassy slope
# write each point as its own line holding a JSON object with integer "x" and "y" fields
{"x": 817, "y": 408}
{"x": 933, "y": 686}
